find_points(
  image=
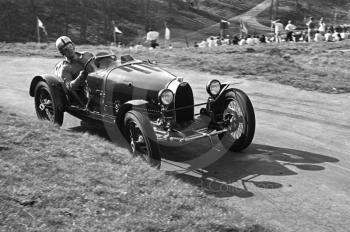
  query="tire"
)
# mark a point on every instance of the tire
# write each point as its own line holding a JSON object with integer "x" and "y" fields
{"x": 141, "y": 137}
{"x": 241, "y": 126}
{"x": 46, "y": 106}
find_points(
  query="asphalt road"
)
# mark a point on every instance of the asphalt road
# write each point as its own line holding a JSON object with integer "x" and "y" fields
{"x": 296, "y": 174}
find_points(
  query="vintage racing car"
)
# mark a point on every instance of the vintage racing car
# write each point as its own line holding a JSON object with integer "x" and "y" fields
{"x": 149, "y": 105}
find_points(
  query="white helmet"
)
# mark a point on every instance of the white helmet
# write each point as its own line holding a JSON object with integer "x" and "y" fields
{"x": 63, "y": 41}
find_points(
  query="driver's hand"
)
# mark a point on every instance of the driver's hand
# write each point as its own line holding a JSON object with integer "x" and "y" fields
{"x": 83, "y": 74}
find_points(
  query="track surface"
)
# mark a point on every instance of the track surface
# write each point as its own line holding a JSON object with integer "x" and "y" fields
{"x": 296, "y": 174}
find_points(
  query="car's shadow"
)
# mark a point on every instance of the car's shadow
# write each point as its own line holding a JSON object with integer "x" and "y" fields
{"x": 229, "y": 173}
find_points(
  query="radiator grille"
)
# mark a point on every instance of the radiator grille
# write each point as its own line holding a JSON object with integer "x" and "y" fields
{"x": 183, "y": 98}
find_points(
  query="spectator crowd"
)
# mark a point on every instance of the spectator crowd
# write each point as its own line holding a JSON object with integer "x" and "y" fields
{"x": 309, "y": 31}
{"x": 312, "y": 32}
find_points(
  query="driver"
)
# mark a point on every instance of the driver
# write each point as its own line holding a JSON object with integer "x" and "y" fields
{"x": 71, "y": 69}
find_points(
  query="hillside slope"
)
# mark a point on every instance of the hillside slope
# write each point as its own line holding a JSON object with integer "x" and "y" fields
{"x": 90, "y": 21}
{"x": 333, "y": 12}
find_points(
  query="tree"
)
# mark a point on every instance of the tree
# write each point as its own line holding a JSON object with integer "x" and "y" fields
{"x": 170, "y": 5}
{"x": 83, "y": 19}
{"x": 107, "y": 19}
{"x": 276, "y": 9}
{"x": 147, "y": 17}
{"x": 271, "y": 10}
{"x": 196, "y": 3}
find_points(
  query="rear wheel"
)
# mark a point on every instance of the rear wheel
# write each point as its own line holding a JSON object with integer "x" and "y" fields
{"x": 239, "y": 118}
{"x": 45, "y": 105}
{"x": 141, "y": 137}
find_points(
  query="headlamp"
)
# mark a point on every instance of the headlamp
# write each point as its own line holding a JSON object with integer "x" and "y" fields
{"x": 213, "y": 87}
{"x": 166, "y": 96}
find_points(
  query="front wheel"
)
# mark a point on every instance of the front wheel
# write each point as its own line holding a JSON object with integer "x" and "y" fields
{"x": 239, "y": 119}
{"x": 45, "y": 105}
{"x": 141, "y": 137}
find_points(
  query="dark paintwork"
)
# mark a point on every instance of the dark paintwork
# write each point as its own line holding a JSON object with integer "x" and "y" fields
{"x": 113, "y": 85}
{"x": 134, "y": 81}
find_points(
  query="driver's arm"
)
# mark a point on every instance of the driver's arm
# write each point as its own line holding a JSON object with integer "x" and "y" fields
{"x": 71, "y": 84}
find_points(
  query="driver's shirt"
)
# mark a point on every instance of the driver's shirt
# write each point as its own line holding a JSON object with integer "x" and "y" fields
{"x": 69, "y": 70}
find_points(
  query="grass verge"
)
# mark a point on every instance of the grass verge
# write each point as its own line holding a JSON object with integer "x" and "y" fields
{"x": 316, "y": 67}
{"x": 57, "y": 180}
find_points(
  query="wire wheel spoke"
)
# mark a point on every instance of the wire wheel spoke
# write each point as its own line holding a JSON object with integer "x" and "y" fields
{"x": 45, "y": 105}
{"x": 143, "y": 152}
{"x": 142, "y": 139}
{"x": 237, "y": 133}
{"x": 49, "y": 115}
{"x": 234, "y": 116}
{"x": 137, "y": 141}
{"x": 49, "y": 107}
{"x": 240, "y": 119}
{"x": 132, "y": 137}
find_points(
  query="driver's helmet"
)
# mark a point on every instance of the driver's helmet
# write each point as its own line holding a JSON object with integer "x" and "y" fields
{"x": 62, "y": 41}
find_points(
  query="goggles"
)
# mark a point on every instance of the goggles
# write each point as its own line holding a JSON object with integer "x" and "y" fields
{"x": 67, "y": 47}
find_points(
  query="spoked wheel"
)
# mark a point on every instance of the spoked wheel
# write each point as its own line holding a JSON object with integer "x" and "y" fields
{"x": 141, "y": 137}
{"x": 45, "y": 105}
{"x": 234, "y": 117}
{"x": 239, "y": 120}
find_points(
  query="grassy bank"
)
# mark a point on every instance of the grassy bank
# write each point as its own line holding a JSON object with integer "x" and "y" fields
{"x": 316, "y": 67}
{"x": 57, "y": 180}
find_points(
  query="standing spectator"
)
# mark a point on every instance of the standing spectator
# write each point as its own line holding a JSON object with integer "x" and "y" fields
{"x": 310, "y": 29}
{"x": 290, "y": 30}
{"x": 152, "y": 36}
{"x": 278, "y": 30}
{"x": 322, "y": 26}
{"x": 224, "y": 24}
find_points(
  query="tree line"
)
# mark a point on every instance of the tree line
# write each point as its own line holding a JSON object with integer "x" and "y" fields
{"x": 86, "y": 21}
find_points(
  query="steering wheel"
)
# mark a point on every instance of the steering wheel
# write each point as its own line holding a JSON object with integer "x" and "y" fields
{"x": 88, "y": 62}
{"x": 98, "y": 58}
